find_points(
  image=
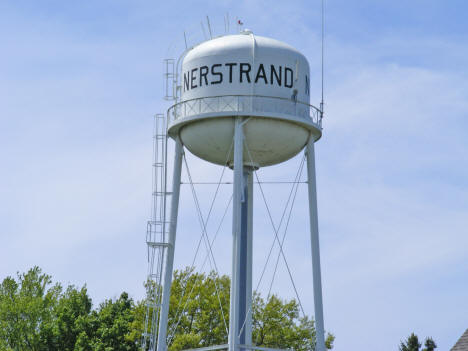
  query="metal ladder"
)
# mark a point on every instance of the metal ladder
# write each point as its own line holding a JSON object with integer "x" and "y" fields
{"x": 170, "y": 79}
{"x": 156, "y": 237}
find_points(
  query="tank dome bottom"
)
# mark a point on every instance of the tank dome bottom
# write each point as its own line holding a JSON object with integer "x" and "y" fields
{"x": 267, "y": 141}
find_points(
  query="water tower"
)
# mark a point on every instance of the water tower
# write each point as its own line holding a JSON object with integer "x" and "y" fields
{"x": 242, "y": 100}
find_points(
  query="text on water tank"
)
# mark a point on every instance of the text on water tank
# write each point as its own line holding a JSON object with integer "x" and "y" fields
{"x": 242, "y": 73}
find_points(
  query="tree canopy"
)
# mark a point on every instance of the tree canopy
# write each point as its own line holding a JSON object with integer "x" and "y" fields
{"x": 412, "y": 344}
{"x": 38, "y": 315}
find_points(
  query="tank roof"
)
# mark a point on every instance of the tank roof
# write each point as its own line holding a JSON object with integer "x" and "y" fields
{"x": 242, "y": 40}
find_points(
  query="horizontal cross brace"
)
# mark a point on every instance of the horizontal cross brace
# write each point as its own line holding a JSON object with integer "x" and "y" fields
{"x": 209, "y": 348}
{"x": 252, "y": 347}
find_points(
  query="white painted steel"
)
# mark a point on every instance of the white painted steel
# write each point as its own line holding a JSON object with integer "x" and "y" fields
{"x": 210, "y": 348}
{"x": 248, "y": 305}
{"x": 315, "y": 246}
{"x": 188, "y": 111}
{"x": 245, "y": 49}
{"x": 162, "y": 346}
{"x": 156, "y": 238}
{"x": 253, "y": 347}
{"x": 254, "y": 90}
{"x": 245, "y": 255}
{"x": 246, "y": 75}
{"x": 233, "y": 339}
{"x": 270, "y": 141}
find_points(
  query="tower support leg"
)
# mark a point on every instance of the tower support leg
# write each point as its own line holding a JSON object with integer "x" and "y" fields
{"x": 314, "y": 238}
{"x": 169, "y": 264}
{"x": 249, "y": 249}
{"x": 245, "y": 261}
{"x": 240, "y": 321}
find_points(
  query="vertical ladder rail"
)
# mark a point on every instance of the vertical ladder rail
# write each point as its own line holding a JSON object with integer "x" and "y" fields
{"x": 170, "y": 81}
{"x": 156, "y": 237}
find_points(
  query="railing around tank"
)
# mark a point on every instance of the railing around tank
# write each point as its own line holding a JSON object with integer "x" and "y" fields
{"x": 244, "y": 104}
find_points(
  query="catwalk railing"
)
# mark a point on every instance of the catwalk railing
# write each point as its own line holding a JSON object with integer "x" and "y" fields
{"x": 244, "y": 105}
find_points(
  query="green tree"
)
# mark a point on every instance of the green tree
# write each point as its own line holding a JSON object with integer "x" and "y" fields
{"x": 71, "y": 318}
{"x": 113, "y": 320}
{"x": 196, "y": 320}
{"x": 277, "y": 324}
{"x": 429, "y": 345}
{"x": 37, "y": 315}
{"x": 195, "y": 314}
{"x": 26, "y": 305}
{"x": 412, "y": 344}
{"x": 137, "y": 323}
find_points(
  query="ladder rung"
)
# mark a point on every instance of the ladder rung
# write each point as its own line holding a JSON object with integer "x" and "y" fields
{"x": 152, "y": 222}
{"x": 155, "y": 230}
{"x": 159, "y": 192}
{"x": 157, "y": 244}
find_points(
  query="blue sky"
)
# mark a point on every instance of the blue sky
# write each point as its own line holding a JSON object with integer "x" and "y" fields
{"x": 79, "y": 82}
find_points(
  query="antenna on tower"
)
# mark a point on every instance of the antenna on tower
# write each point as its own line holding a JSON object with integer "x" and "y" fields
{"x": 209, "y": 26}
{"x": 227, "y": 22}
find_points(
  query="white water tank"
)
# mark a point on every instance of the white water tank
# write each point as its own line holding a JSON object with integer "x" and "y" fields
{"x": 264, "y": 80}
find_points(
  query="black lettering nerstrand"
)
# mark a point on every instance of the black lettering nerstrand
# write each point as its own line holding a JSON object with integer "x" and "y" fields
{"x": 278, "y": 75}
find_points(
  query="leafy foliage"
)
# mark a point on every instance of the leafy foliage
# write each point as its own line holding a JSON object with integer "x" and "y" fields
{"x": 26, "y": 306}
{"x": 429, "y": 345}
{"x": 412, "y": 344}
{"x": 37, "y": 315}
{"x": 277, "y": 324}
{"x": 196, "y": 317}
{"x": 190, "y": 325}
{"x": 70, "y": 320}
